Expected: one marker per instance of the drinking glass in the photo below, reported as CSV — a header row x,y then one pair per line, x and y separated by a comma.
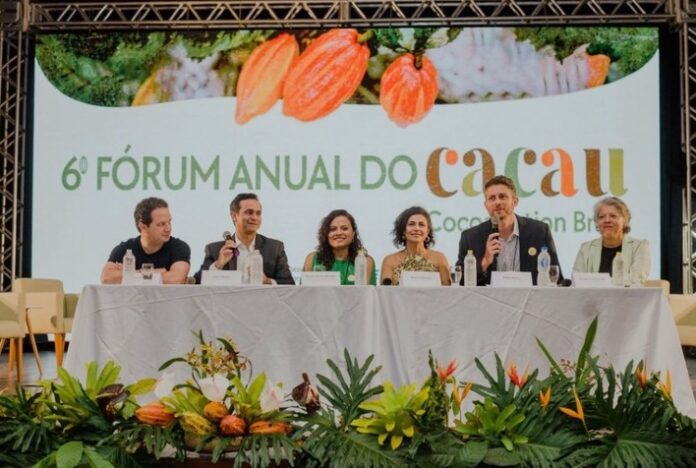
x,y
554,275
637,277
147,269
456,275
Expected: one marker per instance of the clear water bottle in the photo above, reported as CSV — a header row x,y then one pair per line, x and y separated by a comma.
x,y
255,267
360,269
128,266
543,267
469,269
617,270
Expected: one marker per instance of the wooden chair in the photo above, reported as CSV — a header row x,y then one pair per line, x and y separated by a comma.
x,y
13,327
48,310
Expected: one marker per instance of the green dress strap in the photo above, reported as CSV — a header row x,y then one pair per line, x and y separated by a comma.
x,y
346,268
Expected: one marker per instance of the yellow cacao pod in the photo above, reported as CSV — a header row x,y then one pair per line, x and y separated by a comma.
x,y
215,411
195,423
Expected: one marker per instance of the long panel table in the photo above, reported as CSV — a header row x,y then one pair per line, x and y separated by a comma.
x,y
286,330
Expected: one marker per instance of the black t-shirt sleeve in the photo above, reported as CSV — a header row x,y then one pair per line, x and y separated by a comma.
x,y
116,255
181,252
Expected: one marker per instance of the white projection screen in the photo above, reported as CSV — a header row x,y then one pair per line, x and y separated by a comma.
x,y
373,121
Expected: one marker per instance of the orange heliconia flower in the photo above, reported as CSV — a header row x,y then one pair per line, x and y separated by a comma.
x,y
545,397
261,81
444,373
326,75
515,378
459,397
408,89
642,374
578,413
666,388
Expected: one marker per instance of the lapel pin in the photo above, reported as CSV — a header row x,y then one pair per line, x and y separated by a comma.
x,y
532,251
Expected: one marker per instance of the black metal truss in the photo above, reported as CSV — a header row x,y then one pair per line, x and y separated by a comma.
x,y
12,138
321,13
20,19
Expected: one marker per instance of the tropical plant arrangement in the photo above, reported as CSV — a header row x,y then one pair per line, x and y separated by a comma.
x,y
581,414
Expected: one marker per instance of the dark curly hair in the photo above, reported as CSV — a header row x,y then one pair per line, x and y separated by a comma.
x,y
325,254
399,232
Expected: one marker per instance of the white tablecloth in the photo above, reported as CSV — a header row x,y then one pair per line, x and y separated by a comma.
x,y
286,330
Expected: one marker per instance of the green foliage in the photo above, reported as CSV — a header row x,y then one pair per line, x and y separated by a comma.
x,y
97,68
247,399
630,48
352,390
25,436
495,426
181,401
132,437
444,449
326,445
265,450
500,389
631,424
438,403
395,414
415,40
107,68
328,437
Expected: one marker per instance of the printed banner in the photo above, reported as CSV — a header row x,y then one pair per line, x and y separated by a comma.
x,y
373,121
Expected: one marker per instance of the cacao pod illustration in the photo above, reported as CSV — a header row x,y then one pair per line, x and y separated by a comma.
x,y
408,89
598,67
261,81
326,75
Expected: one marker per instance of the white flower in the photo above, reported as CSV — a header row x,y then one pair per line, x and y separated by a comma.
x,y
271,398
165,384
214,388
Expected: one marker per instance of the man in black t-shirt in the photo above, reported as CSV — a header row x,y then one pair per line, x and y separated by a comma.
x,y
155,244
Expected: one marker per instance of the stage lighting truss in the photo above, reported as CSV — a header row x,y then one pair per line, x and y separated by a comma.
x,y
359,13
19,20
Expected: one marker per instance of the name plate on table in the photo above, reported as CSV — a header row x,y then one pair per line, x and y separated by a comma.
x,y
592,280
511,279
321,278
221,278
420,278
138,280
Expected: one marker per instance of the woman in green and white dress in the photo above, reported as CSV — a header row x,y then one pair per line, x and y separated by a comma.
x,y
339,244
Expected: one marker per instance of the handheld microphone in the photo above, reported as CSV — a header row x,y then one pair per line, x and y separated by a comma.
x,y
228,236
495,221
495,228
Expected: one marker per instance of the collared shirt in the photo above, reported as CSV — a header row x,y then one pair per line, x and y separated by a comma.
x,y
509,257
244,252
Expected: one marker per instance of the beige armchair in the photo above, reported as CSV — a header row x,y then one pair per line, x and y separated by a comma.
x,y
684,312
48,309
12,327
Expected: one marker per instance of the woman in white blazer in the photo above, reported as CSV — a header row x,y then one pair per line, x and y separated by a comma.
x,y
613,221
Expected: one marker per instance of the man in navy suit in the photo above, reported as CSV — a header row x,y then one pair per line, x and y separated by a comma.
x,y
230,253
516,242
